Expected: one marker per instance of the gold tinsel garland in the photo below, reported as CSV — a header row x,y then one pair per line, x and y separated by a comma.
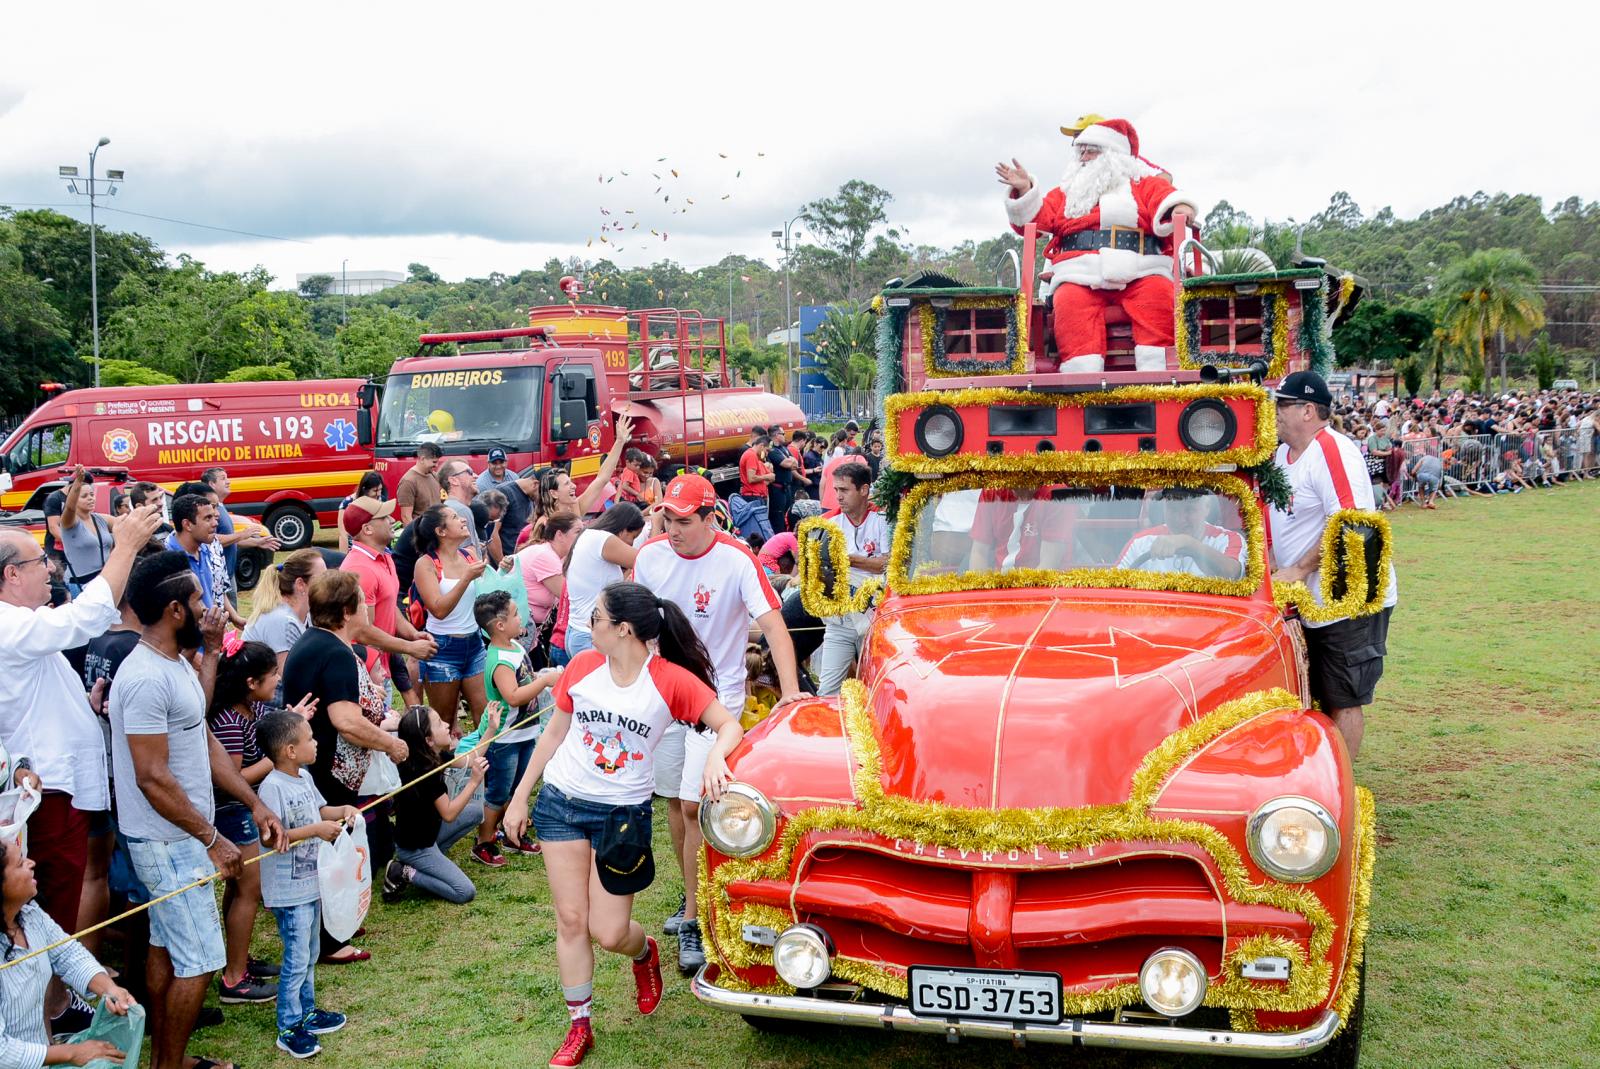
x,y
902,582
1354,603
812,595
1058,829
1279,291
906,456
928,324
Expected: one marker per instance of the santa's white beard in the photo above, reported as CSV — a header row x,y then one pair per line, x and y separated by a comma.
x,y
1085,183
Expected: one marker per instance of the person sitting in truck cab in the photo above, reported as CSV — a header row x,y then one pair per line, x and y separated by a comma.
x,y
1186,542
1010,531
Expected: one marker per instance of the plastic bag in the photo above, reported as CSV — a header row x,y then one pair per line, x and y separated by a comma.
x,y
511,581
344,874
124,1031
16,806
382,776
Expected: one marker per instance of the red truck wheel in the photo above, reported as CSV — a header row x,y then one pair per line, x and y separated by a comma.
x,y
292,525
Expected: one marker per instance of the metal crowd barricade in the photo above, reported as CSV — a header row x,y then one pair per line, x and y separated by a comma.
x,y
1486,463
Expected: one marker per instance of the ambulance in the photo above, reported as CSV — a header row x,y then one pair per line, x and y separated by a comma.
x,y
291,449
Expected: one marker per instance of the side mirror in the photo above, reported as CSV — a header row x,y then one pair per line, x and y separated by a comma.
x,y
572,421
1359,549
570,387
363,426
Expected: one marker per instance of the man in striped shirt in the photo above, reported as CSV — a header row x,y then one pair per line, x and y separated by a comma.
x,y
1186,542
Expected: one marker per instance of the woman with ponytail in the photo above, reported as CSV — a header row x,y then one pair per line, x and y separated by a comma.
x,y
281,607
592,819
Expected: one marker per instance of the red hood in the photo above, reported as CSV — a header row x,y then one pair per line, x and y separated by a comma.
x,y
1025,700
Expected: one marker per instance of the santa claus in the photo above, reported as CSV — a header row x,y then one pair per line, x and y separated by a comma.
x,y
1110,222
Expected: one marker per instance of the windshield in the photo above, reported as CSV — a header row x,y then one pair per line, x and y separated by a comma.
x,y
488,404
960,534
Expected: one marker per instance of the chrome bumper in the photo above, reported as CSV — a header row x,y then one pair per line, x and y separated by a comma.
x,y
1173,1039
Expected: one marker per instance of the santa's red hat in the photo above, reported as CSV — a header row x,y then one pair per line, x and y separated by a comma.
x,y
1112,135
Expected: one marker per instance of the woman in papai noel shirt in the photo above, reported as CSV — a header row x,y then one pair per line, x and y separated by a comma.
x,y
612,706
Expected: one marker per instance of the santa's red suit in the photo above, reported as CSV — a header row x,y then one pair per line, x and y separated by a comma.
x,y
1117,252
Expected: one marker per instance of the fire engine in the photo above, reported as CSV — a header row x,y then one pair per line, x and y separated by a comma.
x,y
1077,793
549,393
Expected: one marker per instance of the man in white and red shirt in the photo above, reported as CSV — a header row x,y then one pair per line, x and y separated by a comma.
x,y
717,582
866,541
1010,532
1186,542
370,525
1327,474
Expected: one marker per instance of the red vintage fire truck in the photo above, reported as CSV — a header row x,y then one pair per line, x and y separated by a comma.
x,y
549,393
1073,795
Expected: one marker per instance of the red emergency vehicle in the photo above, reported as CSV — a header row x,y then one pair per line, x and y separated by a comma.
x,y
291,448
548,393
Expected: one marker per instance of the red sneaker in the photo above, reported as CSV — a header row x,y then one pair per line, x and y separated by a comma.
x,y
647,977
573,1049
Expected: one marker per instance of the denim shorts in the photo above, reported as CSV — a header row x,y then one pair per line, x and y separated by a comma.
x,y
560,818
458,657
235,823
507,762
187,927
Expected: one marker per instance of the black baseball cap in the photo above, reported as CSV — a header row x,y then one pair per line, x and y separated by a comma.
x,y
1304,386
497,455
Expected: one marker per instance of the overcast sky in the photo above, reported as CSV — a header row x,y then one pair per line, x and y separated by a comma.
x,y
479,138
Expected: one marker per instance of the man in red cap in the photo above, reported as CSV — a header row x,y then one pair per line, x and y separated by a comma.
x,y
717,582
1110,222
370,525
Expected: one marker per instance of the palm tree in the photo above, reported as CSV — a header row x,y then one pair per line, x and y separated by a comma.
x,y
1492,293
846,348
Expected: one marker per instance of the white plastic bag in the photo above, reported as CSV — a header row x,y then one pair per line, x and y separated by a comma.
x,y
382,776
16,806
344,874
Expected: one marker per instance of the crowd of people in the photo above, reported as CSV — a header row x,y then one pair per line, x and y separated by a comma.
x,y
1450,445
487,654
490,656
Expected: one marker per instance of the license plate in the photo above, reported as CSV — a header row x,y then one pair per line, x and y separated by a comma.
x,y
991,994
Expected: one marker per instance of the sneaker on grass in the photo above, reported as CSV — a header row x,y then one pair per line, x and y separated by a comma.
x,y
299,1043
489,854
579,1042
248,989
395,881
691,952
672,922
262,969
527,847
647,978
323,1022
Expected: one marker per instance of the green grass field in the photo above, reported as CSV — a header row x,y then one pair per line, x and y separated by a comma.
x,y
1483,751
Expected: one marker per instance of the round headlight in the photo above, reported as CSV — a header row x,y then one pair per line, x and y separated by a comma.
x,y
1173,982
1207,425
741,823
802,956
1293,838
938,431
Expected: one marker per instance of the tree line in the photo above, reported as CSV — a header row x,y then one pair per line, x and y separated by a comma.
x,y
1480,280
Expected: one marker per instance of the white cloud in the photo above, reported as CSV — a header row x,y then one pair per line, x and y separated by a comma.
x,y
470,137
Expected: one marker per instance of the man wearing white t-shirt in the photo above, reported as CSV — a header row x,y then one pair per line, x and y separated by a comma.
x,y
716,581
1327,474
866,540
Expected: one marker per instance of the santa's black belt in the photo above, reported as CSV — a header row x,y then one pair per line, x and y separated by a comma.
x,y
1111,238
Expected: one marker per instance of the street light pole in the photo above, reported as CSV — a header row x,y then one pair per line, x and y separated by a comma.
x,y
344,291
112,177
791,357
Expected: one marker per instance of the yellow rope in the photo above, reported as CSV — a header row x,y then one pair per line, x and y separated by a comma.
x,y
248,861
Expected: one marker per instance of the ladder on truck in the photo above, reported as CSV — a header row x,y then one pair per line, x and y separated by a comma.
x,y
674,354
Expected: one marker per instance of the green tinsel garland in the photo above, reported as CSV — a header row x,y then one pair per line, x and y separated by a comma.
x,y
1273,482
891,332
889,489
